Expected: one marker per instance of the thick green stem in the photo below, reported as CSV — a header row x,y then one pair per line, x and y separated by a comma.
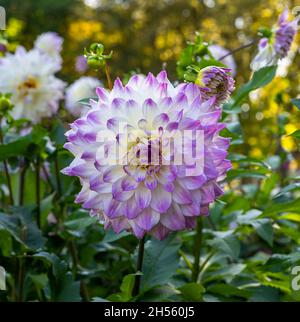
x,y
7,175
139,267
197,249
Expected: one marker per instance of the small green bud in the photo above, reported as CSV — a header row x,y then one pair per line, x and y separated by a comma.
x,y
202,50
95,57
96,48
5,104
265,32
95,63
191,74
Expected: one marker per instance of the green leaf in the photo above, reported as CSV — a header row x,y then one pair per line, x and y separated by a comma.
x,y
296,134
264,229
275,209
227,243
192,292
227,273
59,268
23,145
126,289
259,79
127,285
79,220
69,290
262,226
22,228
6,246
288,188
247,173
86,101
111,236
160,261
228,290
282,262
296,102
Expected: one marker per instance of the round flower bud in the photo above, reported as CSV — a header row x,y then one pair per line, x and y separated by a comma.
x,y
95,63
5,105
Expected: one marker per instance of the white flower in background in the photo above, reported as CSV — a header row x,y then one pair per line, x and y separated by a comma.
x,y
29,77
83,88
218,52
50,43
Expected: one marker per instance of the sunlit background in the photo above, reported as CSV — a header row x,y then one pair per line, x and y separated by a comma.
x,y
145,35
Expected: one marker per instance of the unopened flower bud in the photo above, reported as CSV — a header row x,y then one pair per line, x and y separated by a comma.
x,y
5,104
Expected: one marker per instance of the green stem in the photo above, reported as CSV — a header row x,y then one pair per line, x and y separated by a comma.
x,y
74,254
5,164
139,267
21,277
197,249
107,72
23,169
57,175
38,191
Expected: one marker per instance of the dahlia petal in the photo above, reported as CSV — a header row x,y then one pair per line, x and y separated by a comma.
x,y
160,232
147,219
113,173
192,183
118,193
111,207
102,94
150,182
131,210
142,196
173,219
181,195
128,183
161,200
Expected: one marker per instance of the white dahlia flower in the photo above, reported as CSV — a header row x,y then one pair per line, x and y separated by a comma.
x,y
50,44
29,77
83,88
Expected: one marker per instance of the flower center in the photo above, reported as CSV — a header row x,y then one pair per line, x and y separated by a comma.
x,y
27,86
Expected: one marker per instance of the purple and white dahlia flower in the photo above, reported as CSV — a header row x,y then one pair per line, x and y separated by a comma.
x,y
149,155
215,82
276,47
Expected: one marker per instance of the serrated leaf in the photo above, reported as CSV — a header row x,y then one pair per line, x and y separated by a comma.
x,y
192,292
160,261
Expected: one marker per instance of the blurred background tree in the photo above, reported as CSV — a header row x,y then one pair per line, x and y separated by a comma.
x,y
145,35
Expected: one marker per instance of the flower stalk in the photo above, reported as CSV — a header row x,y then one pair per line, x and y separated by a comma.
x,y
139,267
197,249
